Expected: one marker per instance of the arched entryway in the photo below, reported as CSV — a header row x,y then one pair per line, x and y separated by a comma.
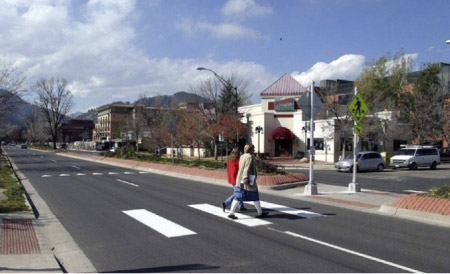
x,y
283,138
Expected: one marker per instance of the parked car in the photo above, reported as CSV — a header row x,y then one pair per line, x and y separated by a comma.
x,y
413,157
366,160
24,146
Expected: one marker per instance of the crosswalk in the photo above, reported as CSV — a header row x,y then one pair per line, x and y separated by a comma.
x,y
171,229
93,174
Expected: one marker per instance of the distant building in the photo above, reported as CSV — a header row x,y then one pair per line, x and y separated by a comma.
x,y
76,130
110,119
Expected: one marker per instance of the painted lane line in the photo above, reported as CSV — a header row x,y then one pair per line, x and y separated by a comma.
x,y
159,224
64,175
80,174
46,176
143,172
96,174
414,191
128,172
54,161
290,210
351,252
76,167
128,183
111,173
242,219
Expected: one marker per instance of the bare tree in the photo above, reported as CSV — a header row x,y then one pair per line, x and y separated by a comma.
x,y
11,82
55,101
220,95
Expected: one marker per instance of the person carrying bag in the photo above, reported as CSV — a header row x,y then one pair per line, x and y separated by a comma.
x,y
246,188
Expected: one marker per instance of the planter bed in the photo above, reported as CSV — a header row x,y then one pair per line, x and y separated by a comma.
x,y
424,203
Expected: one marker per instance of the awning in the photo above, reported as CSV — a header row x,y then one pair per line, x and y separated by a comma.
x,y
282,133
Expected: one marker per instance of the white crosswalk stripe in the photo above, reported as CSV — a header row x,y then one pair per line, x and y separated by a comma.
x,y
242,219
290,210
159,224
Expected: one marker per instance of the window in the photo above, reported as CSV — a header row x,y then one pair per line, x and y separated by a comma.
x,y
318,144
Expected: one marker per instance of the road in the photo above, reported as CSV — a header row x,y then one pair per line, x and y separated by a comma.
x,y
128,221
402,181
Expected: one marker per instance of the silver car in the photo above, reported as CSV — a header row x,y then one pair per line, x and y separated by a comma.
x,y
365,160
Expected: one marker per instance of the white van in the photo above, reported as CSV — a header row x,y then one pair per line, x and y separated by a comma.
x,y
416,156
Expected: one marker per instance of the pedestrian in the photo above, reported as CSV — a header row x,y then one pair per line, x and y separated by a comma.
x,y
246,188
232,170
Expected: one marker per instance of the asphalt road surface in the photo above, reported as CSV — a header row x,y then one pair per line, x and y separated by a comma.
x,y
403,181
129,221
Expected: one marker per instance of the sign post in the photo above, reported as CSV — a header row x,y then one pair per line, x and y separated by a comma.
x,y
172,129
358,109
311,187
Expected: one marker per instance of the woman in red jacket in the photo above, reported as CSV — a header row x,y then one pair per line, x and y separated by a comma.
x,y
232,170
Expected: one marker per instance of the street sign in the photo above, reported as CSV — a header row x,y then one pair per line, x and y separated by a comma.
x,y
305,105
357,129
172,126
357,108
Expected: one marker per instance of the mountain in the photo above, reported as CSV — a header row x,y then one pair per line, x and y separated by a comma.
x,y
23,109
171,101
90,115
18,110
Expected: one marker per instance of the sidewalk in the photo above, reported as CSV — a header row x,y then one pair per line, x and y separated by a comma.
x,y
30,244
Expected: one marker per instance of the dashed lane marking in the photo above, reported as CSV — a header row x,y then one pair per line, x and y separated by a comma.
x,y
64,175
128,183
414,191
96,174
76,167
159,224
81,174
242,219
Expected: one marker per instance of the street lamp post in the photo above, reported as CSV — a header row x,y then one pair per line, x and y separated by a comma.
x,y
259,130
226,84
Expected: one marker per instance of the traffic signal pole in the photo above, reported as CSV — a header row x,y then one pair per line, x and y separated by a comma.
x,y
311,187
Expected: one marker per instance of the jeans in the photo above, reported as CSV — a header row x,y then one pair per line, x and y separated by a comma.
x,y
230,199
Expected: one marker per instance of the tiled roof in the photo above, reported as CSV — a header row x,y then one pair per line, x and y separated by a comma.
x,y
284,86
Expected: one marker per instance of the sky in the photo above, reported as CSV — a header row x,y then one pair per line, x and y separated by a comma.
x,y
119,50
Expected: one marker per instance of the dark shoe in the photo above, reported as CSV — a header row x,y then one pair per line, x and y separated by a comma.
x,y
242,209
263,215
224,206
232,216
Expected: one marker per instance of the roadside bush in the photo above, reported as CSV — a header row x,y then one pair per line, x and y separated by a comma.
x,y
267,168
128,152
440,192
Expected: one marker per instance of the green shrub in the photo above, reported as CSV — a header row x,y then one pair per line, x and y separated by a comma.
x,y
440,192
267,168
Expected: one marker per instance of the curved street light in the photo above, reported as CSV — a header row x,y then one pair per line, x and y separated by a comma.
x,y
225,83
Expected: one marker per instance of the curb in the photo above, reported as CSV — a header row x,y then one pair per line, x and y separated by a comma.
x,y
414,215
51,233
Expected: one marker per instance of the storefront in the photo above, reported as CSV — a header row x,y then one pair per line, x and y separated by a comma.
x,y
282,130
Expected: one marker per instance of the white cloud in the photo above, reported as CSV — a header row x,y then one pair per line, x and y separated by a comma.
x,y
229,30
346,67
245,8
